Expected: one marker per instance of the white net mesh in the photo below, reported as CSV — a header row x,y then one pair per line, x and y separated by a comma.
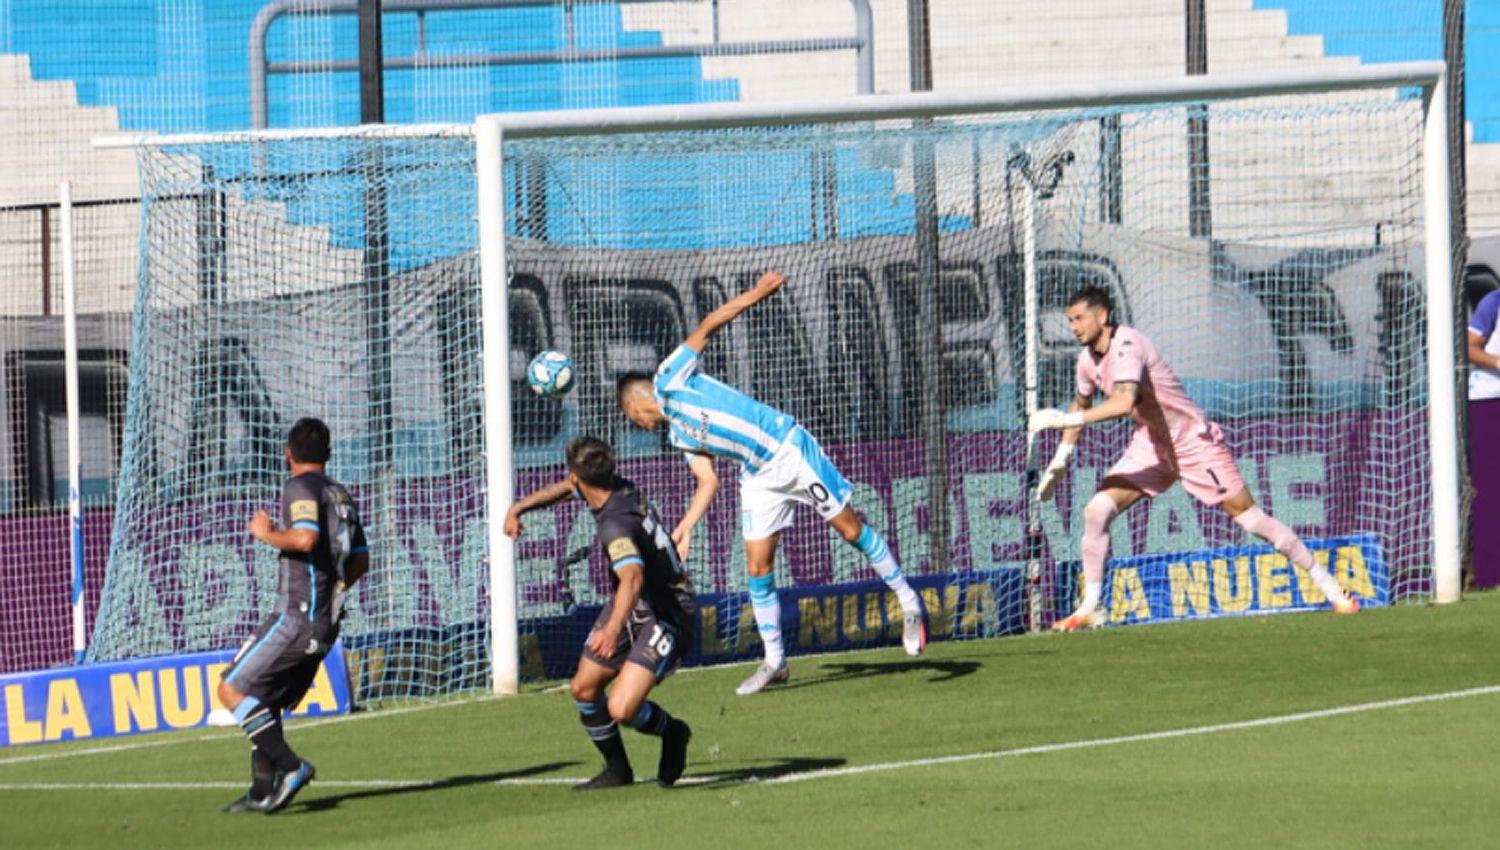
x,y
1297,325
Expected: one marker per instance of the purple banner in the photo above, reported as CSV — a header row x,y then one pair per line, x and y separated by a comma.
x,y
192,577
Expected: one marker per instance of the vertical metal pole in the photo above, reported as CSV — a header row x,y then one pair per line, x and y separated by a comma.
x,y
371,67
864,56
1453,57
494,304
46,236
1111,170
929,298
1200,204
70,380
1442,395
377,264
1035,598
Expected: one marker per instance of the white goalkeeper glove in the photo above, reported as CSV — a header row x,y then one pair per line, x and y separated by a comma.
x,y
1051,417
1054,472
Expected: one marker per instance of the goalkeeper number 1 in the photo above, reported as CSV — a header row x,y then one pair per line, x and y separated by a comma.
x,y
1173,441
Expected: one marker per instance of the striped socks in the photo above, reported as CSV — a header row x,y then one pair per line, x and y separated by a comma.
x,y
767,609
878,553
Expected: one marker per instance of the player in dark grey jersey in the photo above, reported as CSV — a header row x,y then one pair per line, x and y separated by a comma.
x,y
646,628
323,553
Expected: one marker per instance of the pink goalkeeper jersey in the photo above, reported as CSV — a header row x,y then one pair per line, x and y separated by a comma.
x,y
1163,410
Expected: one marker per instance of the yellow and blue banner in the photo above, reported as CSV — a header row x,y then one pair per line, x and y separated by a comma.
x,y
1240,580
141,695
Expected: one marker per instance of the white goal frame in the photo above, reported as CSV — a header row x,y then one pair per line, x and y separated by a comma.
x,y
490,133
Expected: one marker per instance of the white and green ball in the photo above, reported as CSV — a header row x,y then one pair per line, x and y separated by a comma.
x,y
550,374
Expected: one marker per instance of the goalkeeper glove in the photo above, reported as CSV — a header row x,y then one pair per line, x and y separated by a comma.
x,y
1051,417
1054,472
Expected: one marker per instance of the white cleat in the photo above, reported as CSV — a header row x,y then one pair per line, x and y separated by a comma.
x,y
913,633
1079,620
764,676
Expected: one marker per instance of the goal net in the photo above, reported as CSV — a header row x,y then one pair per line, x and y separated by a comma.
x,y
1271,248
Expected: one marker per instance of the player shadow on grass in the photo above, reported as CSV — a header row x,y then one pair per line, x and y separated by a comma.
x,y
319,804
944,670
760,773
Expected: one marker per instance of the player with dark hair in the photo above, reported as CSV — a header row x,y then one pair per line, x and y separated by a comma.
x,y
1173,441
323,553
642,633
781,465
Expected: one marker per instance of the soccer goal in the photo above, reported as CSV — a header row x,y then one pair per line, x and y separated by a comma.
x,y
1283,238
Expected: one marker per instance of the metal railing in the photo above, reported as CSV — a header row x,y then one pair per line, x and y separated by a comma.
x,y
862,43
44,211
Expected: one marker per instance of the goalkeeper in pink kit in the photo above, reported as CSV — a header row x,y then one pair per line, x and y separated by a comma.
x,y
1173,441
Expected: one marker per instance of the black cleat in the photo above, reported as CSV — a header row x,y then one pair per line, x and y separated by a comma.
x,y
607,778
288,786
247,803
674,744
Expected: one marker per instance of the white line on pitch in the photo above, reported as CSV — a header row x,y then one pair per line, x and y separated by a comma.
x,y
1261,722
228,734
298,725
1278,720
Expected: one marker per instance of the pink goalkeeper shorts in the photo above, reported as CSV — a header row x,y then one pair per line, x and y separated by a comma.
x,y
1203,464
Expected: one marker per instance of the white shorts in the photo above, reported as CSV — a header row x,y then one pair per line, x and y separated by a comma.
x,y
798,472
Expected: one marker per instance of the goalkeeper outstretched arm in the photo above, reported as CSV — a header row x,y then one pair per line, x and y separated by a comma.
x,y
1082,412
1052,475
1121,402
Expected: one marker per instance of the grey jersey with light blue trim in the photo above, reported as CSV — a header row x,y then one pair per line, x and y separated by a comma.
x,y
630,532
315,502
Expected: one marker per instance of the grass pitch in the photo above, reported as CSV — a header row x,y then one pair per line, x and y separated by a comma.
x,y
1284,731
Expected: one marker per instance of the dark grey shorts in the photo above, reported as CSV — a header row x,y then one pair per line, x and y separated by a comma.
x,y
278,663
646,642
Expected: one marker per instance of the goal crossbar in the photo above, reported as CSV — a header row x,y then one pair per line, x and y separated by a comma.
x,y
707,116
490,132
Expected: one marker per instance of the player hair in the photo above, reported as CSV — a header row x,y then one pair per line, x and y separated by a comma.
x,y
591,459
626,383
1096,297
309,441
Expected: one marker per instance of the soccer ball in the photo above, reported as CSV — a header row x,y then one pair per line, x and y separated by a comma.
x,y
550,374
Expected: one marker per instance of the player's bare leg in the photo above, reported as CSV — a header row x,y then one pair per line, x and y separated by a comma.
x,y
593,710
628,705
1113,498
854,530
1247,515
760,555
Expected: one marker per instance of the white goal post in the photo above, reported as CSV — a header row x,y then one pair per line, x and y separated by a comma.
x,y
494,135
491,132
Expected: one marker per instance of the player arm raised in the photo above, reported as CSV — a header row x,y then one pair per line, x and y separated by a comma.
x,y
726,313
549,495
703,495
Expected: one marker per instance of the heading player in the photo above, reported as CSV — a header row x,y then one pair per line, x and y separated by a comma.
x,y
781,464
1173,441
643,632
323,553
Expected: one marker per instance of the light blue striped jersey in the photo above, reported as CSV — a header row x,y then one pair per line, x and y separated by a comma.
x,y
706,416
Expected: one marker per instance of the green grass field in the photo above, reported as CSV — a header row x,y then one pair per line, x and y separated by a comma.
x,y
1037,715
